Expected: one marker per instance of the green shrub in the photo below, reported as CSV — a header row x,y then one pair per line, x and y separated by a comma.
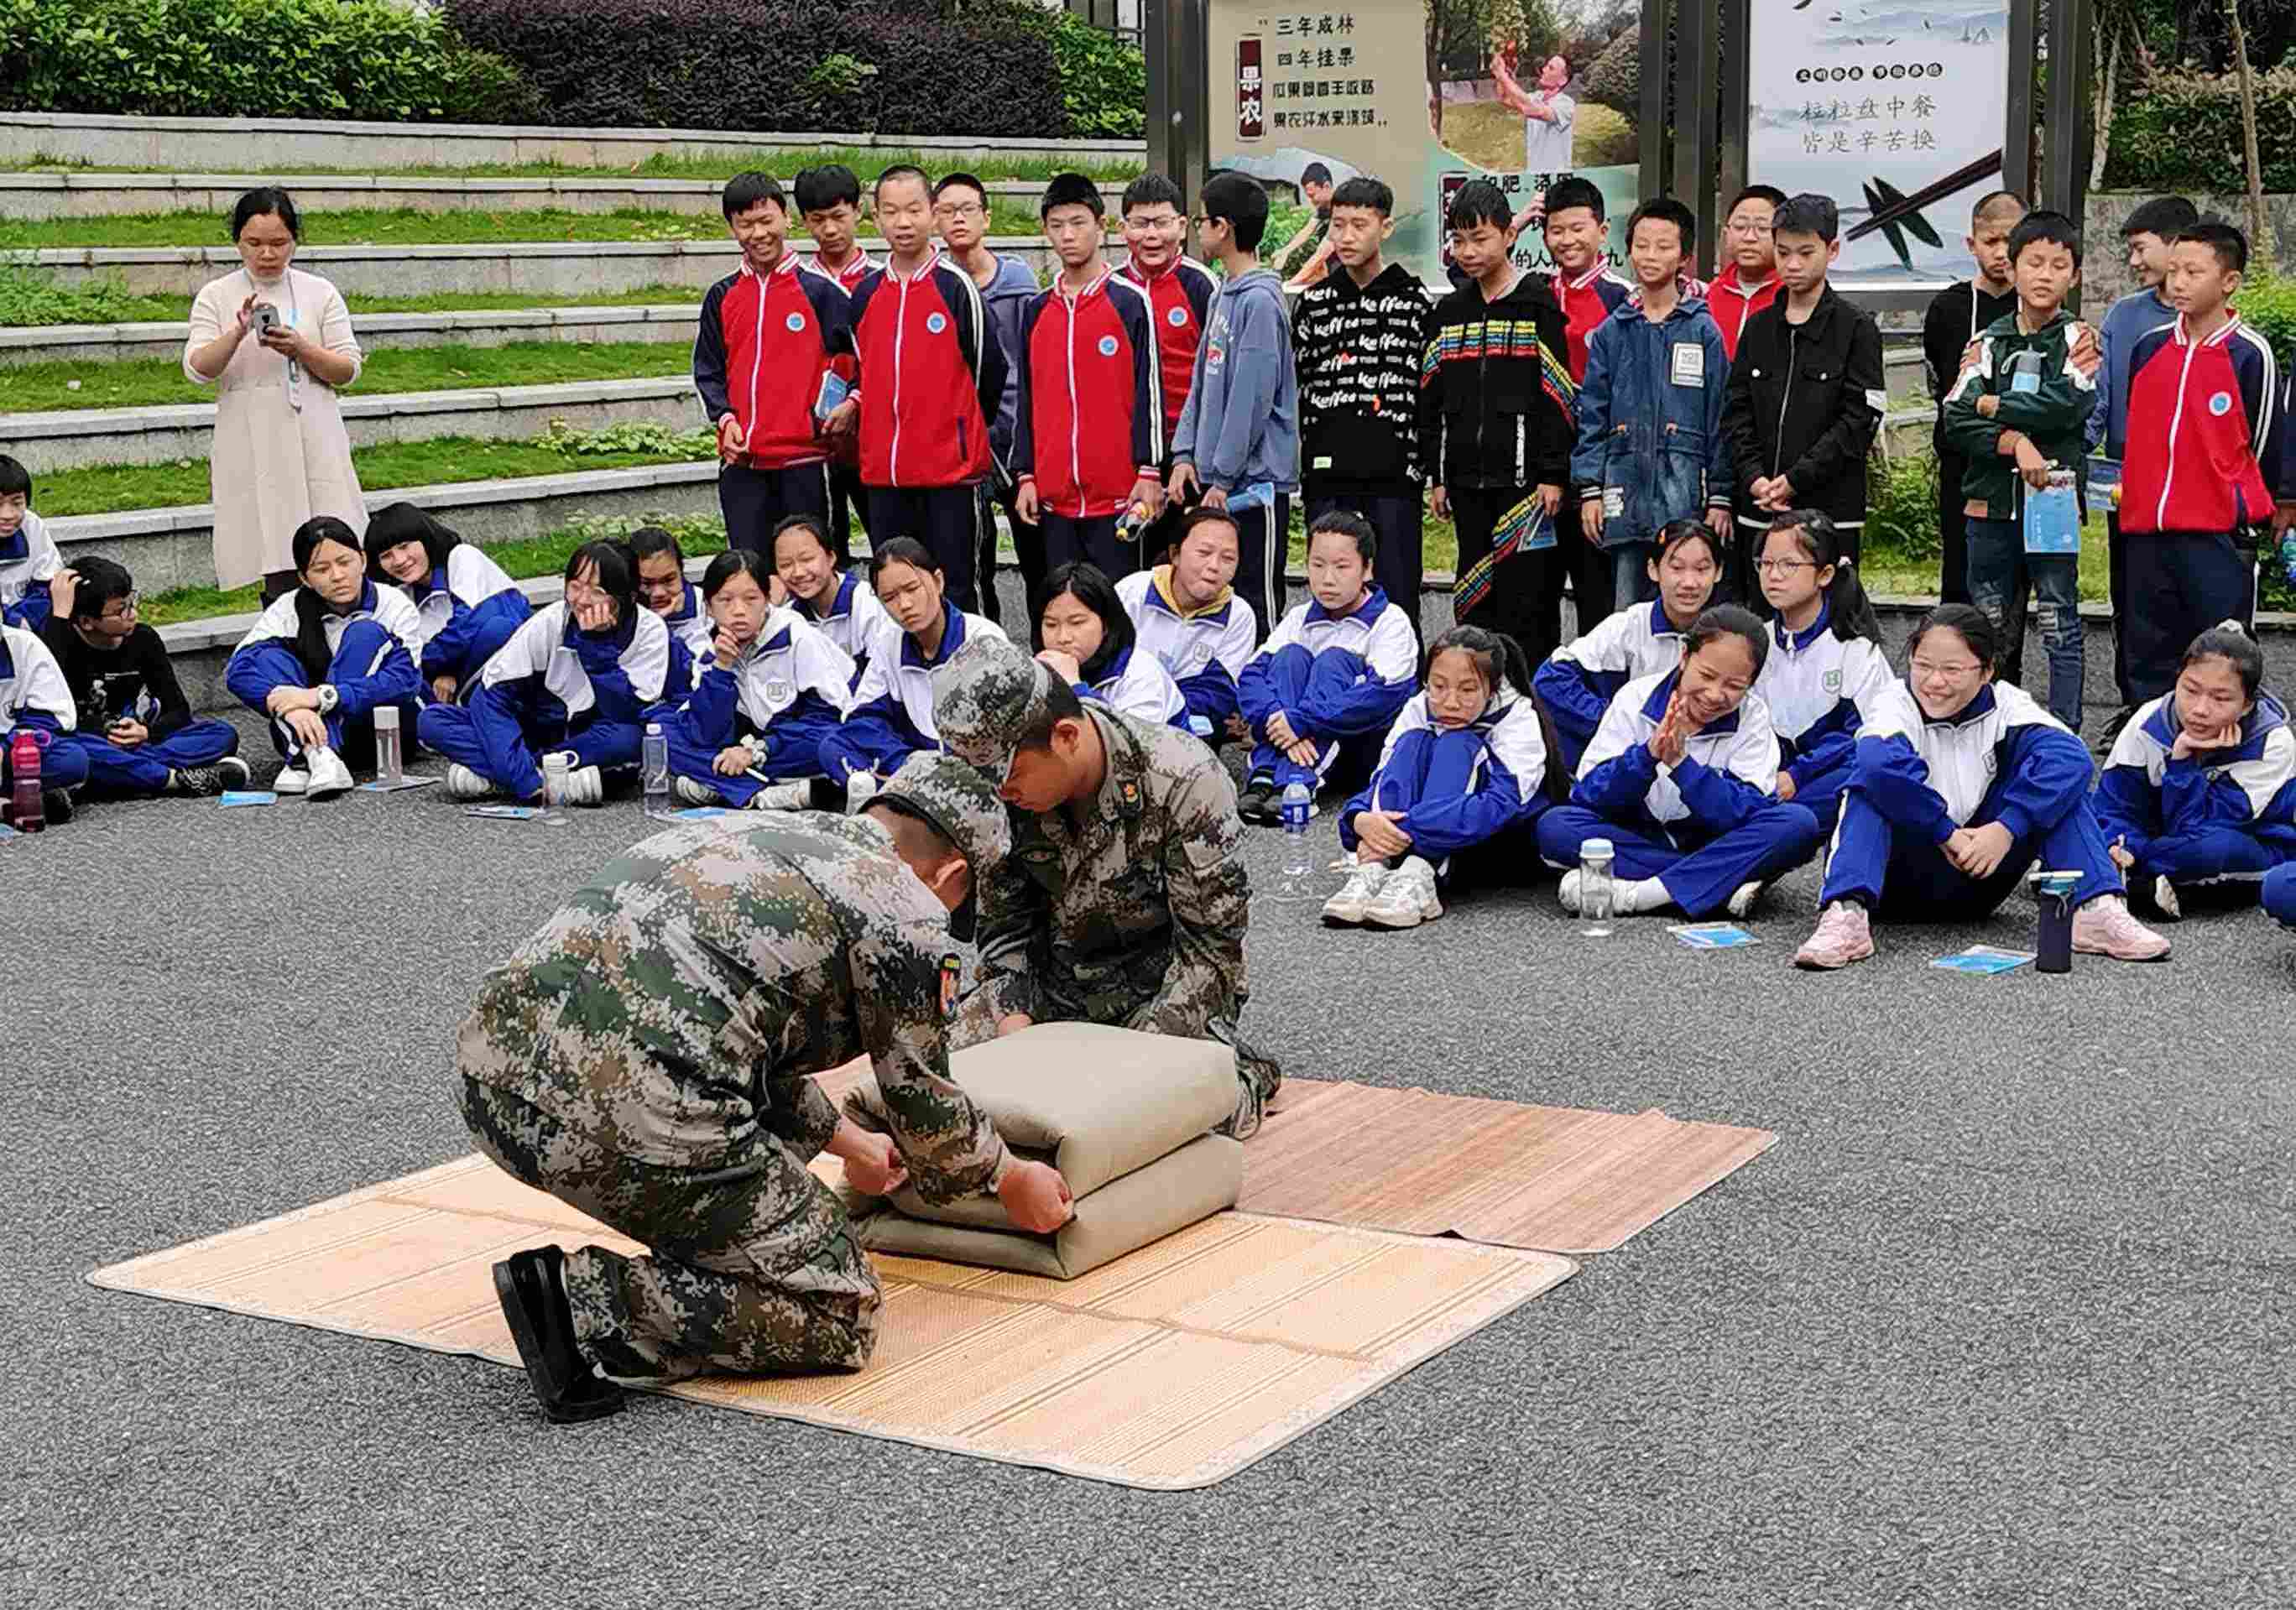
x,y
1901,507
1601,137
2184,134
1103,81
1616,79
2270,306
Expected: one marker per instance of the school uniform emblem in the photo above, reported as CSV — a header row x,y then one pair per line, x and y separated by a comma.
x,y
2220,404
796,322
1834,682
1176,317
936,322
1108,346
779,692
952,973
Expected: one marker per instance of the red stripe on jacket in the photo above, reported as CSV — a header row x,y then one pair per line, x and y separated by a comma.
x,y
922,339
2194,426
1091,414
1179,300
780,333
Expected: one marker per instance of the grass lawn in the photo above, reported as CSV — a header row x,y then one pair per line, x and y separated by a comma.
x,y
1489,135
148,382
718,166
109,305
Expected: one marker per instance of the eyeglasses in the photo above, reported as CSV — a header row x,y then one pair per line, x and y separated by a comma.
x,y
1927,669
127,608
1782,566
1751,231
960,209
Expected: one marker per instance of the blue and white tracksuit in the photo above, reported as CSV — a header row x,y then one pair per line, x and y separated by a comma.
x,y
789,692
2223,816
1702,826
35,696
2003,759
372,649
1137,684
892,715
1338,680
556,688
852,621
1577,681
1205,649
1818,689
468,609
29,562
690,644
1458,788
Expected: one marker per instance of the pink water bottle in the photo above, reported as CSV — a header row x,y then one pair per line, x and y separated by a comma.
x,y
30,816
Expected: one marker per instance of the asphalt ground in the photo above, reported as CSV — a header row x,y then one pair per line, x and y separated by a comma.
x,y
2007,1316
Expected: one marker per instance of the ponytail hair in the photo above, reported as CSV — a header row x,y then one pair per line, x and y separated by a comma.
x,y
1729,620
1851,612
2229,640
1498,658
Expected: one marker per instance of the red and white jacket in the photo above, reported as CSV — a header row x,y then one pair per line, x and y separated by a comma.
x,y
762,348
1732,302
1090,421
1180,299
2204,432
1585,302
931,374
857,268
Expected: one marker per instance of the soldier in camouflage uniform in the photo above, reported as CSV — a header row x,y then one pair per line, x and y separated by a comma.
x,y
645,1059
1125,899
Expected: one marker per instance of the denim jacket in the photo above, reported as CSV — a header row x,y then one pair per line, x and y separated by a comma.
x,y
1650,420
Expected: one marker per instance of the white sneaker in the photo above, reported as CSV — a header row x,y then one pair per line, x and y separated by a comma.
x,y
693,791
1742,902
463,783
1346,908
783,796
293,780
2164,898
584,786
1568,891
328,776
860,788
1407,898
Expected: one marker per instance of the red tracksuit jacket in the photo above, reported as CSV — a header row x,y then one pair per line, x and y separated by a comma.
x,y
761,352
1732,303
1585,302
2203,451
1090,420
1180,299
931,375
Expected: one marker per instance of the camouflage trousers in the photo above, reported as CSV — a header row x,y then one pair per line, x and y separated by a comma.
x,y
754,1267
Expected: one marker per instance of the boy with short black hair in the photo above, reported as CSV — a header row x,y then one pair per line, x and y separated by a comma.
x,y
1748,281
2015,414
774,344
1957,317
1238,439
1180,291
28,557
829,201
1089,433
1807,394
1360,335
1007,286
2203,468
1495,427
1577,227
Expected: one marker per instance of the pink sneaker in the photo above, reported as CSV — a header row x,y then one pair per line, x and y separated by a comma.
x,y
1844,936
2103,928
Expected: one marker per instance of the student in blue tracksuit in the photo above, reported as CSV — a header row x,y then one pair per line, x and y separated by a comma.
x,y
1682,778
1577,683
466,605
1826,668
892,715
35,698
772,688
1332,676
1463,772
1088,641
322,659
1959,785
576,680
29,561
2199,793
837,602
662,588
1187,615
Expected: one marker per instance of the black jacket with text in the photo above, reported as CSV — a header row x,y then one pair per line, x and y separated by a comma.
x,y
1358,349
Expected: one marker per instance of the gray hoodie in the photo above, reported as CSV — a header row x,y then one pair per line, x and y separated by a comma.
x,y
1241,426
1006,299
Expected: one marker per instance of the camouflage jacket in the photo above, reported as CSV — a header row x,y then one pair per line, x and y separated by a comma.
x,y
677,1004
1137,918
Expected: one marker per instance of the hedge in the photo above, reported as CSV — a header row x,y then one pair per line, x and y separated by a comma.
x,y
770,64
355,58
2184,134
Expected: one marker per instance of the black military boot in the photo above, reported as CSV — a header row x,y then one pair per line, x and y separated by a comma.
x,y
531,1287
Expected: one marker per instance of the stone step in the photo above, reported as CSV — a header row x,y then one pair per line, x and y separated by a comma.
x,y
541,269
218,144
155,435
104,195
170,548
671,323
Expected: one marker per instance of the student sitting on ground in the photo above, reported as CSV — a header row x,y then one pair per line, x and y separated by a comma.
x,y
771,690
1084,635
836,602
1577,683
892,713
2280,895
1332,675
136,726
1188,617
1682,778
1464,768
29,559
1960,784
2199,793
466,605
35,697
1825,668
662,588
576,680
324,658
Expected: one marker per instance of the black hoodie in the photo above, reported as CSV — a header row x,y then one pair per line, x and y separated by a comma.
x,y
1496,396
1358,349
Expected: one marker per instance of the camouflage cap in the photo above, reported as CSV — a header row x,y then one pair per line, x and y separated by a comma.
x,y
986,696
960,804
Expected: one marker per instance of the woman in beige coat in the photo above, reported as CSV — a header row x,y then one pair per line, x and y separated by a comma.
x,y
281,454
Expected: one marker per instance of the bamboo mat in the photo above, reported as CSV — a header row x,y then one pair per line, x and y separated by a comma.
x,y
1173,1367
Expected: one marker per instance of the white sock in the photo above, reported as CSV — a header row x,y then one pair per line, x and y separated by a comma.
x,y
1636,896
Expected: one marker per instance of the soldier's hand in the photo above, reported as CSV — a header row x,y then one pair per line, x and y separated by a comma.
x,y
1036,1197
1013,1023
874,1169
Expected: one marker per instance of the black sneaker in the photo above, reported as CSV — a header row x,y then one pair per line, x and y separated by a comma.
x,y
56,804
205,782
2111,735
1258,802
531,1287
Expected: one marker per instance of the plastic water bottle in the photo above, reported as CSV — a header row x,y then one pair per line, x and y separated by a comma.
x,y
2053,941
389,761
557,772
1596,889
653,767
26,813
1299,868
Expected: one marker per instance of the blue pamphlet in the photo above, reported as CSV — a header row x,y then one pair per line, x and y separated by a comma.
x,y
247,797
2105,480
2053,517
693,814
503,813
1984,959
7,832
380,787
831,397
1713,935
